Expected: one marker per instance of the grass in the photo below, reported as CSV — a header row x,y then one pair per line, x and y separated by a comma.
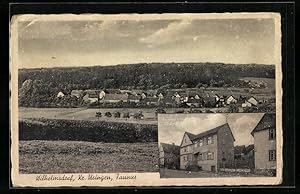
x,y
43,157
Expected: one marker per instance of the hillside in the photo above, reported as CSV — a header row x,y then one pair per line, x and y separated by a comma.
x,y
145,76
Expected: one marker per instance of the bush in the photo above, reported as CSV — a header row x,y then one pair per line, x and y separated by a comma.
x,y
138,115
126,115
117,114
108,114
93,131
233,108
98,114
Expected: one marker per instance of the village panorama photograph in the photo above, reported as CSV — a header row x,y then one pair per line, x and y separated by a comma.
x,y
217,145
90,89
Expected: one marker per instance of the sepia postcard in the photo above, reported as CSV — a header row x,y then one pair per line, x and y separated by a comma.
x,y
146,99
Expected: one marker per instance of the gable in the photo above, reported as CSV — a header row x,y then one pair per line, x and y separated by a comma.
x,y
185,140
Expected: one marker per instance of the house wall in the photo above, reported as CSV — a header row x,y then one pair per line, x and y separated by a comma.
x,y
186,150
213,148
262,145
225,148
161,155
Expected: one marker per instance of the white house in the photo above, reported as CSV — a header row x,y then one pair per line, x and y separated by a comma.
x,y
101,95
60,95
230,100
253,101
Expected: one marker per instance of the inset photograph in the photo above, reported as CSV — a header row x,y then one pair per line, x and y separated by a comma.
x,y
217,145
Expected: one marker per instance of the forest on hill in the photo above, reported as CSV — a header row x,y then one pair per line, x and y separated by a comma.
x,y
145,76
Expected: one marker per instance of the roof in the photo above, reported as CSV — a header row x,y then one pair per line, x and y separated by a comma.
x,y
134,97
190,135
251,97
266,122
113,91
212,131
151,99
195,100
229,97
239,149
116,97
91,91
170,148
249,148
93,95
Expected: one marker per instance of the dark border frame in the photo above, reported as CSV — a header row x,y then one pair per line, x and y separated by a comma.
x,y
287,10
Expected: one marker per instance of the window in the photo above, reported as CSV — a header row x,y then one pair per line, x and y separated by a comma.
x,y
210,140
271,134
210,155
272,155
185,150
201,142
204,140
204,156
200,157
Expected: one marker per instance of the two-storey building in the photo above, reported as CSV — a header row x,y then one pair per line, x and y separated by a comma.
x,y
209,150
265,144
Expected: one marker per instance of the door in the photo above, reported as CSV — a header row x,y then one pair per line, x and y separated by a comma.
x,y
213,168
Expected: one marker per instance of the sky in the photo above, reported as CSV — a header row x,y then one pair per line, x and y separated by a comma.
x,y
111,42
171,127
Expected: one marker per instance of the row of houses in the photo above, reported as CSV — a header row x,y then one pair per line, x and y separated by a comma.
x,y
214,149
152,97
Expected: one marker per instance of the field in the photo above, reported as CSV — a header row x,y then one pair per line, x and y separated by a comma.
x,y
73,140
88,114
86,157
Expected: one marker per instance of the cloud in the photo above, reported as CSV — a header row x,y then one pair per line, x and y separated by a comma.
x,y
44,30
173,32
242,125
196,124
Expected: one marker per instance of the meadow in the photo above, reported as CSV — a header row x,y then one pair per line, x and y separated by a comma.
x,y
45,157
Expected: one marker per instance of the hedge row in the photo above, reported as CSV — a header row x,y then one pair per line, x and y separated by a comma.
x,y
93,131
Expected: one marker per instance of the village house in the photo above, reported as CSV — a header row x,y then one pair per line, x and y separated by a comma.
x,y
115,98
177,98
151,100
143,95
169,155
101,94
220,101
60,94
231,100
209,150
251,101
160,97
197,103
134,98
90,98
77,93
112,91
264,135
